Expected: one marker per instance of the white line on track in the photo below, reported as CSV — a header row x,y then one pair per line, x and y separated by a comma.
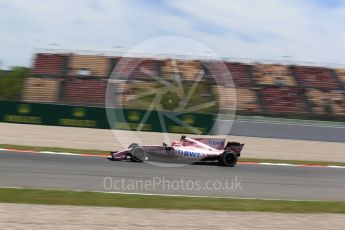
x,y
279,164
243,163
55,153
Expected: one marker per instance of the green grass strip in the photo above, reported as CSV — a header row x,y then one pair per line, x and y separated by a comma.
x,y
58,197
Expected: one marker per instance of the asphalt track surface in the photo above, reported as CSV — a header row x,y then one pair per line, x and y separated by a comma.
x,y
288,130
32,170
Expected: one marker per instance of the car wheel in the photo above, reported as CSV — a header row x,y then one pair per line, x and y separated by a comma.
x,y
228,158
138,154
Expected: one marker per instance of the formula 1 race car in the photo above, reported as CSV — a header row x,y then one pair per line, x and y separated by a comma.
x,y
186,150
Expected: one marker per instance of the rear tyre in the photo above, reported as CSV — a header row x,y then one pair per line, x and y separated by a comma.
x,y
228,158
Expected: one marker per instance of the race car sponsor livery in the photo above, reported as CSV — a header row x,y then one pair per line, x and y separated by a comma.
x,y
185,150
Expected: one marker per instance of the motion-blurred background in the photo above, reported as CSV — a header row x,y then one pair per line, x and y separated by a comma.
x,y
273,89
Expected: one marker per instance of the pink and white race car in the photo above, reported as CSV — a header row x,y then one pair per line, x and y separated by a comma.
x,y
186,150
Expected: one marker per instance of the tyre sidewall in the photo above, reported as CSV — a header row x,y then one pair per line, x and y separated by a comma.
x,y
140,151
225,159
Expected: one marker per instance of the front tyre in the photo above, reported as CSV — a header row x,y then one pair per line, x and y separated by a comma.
x,y
228,158
138,154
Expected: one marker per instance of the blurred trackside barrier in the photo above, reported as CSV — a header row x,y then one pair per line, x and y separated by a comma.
x,y
95,117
